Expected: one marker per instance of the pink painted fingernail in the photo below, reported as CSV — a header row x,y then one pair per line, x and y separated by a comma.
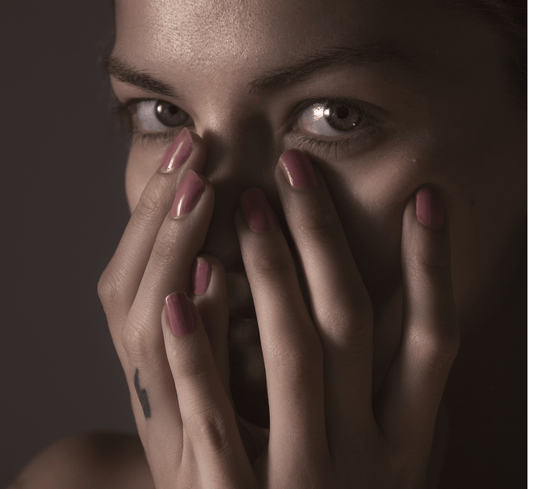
x,y
178,152
298,169
179,315
257,211
429,208
201,276
188,194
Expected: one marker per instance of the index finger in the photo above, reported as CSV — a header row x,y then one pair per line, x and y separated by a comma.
x,y
120,280
340,303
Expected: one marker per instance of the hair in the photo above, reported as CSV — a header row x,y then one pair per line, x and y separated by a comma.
x,y
509,17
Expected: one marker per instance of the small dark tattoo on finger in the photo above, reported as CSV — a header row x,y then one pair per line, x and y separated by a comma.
x,y
143,396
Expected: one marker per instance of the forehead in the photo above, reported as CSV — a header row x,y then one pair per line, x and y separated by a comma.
x,y
252,35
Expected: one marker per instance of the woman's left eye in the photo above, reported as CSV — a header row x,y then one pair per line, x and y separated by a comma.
x,y
331,119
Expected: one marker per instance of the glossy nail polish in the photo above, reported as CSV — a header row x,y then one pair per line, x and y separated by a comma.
x,y
188,194
257,211
179,315
178,152
429,208
201,276
298,169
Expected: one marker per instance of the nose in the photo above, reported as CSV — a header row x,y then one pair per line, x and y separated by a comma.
x,y
241,153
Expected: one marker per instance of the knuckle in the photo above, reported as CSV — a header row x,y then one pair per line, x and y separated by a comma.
x,y
150,206
165,248
430,261
443,353
191,369
109,290
138,344
319,226
207,426
299,360
351,329
439,348
272,264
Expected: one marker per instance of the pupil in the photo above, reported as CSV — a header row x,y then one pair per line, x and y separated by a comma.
x,y
169,114
343,112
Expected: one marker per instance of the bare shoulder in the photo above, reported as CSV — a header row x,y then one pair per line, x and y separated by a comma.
x,y
87,461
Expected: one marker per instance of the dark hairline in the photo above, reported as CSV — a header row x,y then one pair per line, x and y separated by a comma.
x,y
509,18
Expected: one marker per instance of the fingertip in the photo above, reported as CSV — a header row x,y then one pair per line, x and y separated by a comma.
x,y
426,249
212,309
257,211
180,314
198,146
209,292
297,169
201,275
429,208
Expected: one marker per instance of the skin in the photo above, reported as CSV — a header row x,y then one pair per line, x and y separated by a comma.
x,y
443,126
446,120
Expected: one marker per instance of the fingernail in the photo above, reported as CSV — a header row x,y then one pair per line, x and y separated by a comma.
x,y
179,315
298,169
257,211
429,208
201,276
178,152
188,194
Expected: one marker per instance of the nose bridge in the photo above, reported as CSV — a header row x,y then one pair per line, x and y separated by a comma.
x,y
241,153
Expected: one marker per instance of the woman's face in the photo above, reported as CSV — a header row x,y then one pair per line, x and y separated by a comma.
x,y
384,95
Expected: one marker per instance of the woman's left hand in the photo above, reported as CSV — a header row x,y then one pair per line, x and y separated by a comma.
x,y
326,429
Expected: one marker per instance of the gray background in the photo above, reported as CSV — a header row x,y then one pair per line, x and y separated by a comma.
x,y
62,212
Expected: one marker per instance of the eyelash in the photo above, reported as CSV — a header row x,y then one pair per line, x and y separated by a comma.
x,y
324,146
126,112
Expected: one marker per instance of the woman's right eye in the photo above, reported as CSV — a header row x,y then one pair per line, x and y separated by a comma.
x,y
159,115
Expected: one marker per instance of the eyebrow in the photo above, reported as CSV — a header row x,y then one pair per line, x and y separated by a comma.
x,y
314,64
123,71
277,79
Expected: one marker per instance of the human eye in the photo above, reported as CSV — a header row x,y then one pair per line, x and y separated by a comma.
x,y
330,119
151,119
323,124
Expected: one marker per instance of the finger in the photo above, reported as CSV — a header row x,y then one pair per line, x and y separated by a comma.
x,y
120,281
157,416
339,301
209,297
211,437
291,348
179,239
430,338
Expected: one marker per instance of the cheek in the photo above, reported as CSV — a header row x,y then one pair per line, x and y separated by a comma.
x,y
370,195
142,164
479,173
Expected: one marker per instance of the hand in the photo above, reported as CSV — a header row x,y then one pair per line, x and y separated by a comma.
x,y
325,431
154,258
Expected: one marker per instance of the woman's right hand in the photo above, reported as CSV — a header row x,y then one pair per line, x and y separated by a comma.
x,y
153,259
